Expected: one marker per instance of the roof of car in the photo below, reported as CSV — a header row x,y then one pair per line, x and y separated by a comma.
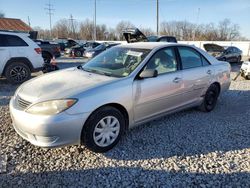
x,y
14,33
148,45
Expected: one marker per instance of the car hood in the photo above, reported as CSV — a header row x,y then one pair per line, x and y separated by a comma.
x,y
61,84
134,35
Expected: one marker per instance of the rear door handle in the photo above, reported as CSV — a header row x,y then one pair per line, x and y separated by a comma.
x,y
177,80
209,72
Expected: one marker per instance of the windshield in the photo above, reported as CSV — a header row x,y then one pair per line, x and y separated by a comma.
x,y
117,61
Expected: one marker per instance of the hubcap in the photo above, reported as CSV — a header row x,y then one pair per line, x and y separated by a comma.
x,y
18,73
106,131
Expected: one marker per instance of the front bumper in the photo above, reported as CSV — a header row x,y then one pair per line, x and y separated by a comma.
x,y
48,131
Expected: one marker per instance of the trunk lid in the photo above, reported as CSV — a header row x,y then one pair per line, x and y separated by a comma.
x,y
134,35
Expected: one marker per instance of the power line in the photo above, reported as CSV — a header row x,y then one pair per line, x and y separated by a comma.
x,y
49,8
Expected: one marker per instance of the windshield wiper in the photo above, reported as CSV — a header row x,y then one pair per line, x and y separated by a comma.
x,y
97,72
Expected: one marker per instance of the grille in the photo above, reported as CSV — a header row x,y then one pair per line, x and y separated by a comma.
x,y
23,104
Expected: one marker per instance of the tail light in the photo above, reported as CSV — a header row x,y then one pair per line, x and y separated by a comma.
x,y
58,49
38,50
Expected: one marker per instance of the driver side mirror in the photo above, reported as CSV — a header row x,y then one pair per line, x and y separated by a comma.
x,y
149,73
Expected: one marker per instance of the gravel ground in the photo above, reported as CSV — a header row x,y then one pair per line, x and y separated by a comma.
x,y
185,149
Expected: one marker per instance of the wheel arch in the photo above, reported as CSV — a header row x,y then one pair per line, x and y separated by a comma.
x,y
119,107
218,85
18,59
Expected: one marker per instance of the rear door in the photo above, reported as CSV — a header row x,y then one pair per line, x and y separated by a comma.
x,y
197,74
156,95
19,48
4,52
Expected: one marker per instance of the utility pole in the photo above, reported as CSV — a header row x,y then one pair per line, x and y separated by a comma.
x,y
72,25
28,20
49,8
197,22
157,17
94,37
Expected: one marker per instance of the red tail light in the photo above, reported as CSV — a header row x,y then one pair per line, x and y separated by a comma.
x,y
38,50
58,49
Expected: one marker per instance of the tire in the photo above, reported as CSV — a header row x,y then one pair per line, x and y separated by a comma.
x,y
78,53
46,57
210,99
247,77
17,72
97,125
239,59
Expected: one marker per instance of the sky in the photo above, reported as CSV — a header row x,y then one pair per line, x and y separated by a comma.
x,y
141,13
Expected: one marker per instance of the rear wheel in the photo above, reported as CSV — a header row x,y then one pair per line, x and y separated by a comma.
x,y
210,99
103,129
46,57
78,53
17,72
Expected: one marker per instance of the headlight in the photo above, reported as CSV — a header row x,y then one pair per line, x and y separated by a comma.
x,y
51,107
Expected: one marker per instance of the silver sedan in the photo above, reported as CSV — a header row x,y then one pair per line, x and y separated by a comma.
x,y
95,103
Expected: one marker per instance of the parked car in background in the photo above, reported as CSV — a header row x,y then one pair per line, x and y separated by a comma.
x,y
78,50
245,69
135,35
224,53
66,43
125,86
90,53
49,49
19,56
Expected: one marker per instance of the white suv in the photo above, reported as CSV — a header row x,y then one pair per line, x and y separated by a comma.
x,y
19,56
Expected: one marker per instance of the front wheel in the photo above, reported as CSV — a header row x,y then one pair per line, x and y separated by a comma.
x,y
210,99
103,129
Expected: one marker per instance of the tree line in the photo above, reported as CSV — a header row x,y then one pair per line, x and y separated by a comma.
x,y
224,30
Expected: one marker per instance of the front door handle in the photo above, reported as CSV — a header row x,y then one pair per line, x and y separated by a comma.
x,y
209,72
177,80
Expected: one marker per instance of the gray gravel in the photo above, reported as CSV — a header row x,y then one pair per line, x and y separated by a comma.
x,y
185,149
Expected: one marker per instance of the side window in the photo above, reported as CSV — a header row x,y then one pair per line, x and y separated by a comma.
x,y
2,40
163,61
205,62
189,58
163,39
15,41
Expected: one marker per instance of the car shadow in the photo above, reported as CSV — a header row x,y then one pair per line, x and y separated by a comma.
x,y
191,132
123,177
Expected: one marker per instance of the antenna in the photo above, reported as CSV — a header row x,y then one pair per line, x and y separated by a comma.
x,y
49,8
